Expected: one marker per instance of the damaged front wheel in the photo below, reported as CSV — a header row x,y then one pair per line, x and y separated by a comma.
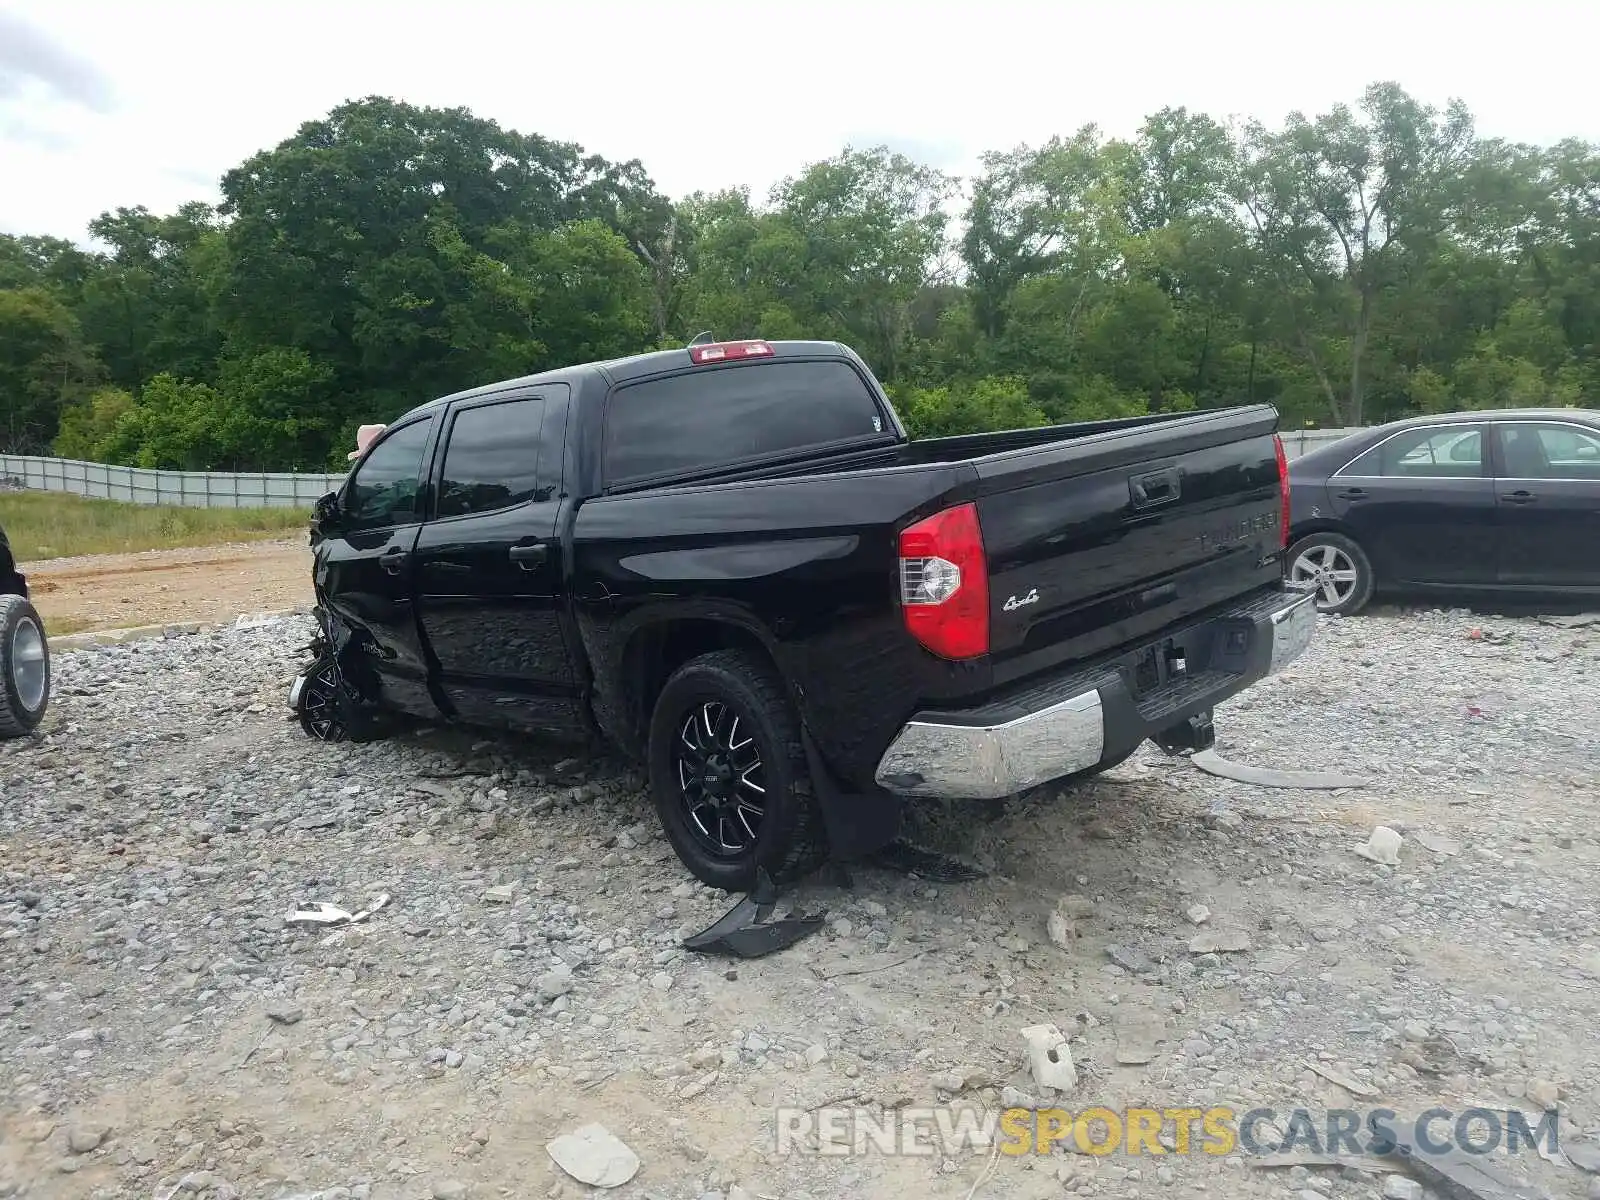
x,y
315,699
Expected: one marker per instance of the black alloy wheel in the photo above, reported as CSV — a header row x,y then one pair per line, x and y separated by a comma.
x,y
721,779
728,773
320,715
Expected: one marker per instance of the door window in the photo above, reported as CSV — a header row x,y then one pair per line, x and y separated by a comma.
x,y
492,458
1539,450
385,487
1453,452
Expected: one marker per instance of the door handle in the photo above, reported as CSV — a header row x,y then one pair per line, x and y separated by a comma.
x,y
1520,496
393,560
529,557
1353,494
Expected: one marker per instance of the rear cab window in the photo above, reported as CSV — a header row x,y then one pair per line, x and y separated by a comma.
x,y
712,417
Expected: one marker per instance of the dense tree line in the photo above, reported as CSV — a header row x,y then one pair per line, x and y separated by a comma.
x,y
1350,267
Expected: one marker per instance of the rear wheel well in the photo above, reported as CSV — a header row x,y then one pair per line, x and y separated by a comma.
x,y
1300,529
653,654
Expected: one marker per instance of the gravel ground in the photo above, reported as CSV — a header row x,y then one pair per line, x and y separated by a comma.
x,y
164,1033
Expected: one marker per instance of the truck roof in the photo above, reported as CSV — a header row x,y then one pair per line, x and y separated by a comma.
x,y
621,370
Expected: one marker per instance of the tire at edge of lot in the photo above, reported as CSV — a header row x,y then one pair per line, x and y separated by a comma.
x,y
16,720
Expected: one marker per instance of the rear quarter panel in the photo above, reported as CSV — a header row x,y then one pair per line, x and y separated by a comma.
x,y
808,566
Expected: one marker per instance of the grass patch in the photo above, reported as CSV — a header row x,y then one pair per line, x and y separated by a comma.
x,y
61,626
59,525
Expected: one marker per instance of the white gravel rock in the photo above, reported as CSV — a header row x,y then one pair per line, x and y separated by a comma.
x,y
169,814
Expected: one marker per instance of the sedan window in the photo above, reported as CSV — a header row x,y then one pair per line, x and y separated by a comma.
x,y
1454,452
1540,450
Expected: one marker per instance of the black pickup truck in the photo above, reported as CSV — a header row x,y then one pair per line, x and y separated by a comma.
x,y
731,562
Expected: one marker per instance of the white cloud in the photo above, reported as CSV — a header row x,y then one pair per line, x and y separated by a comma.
x,y
31,63
105,103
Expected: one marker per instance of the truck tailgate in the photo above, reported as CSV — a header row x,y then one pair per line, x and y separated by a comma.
x,y
1097,541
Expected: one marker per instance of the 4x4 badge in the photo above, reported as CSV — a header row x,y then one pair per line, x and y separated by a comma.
x,y
1013,603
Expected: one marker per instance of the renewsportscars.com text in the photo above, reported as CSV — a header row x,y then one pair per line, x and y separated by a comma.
x,y
843,1131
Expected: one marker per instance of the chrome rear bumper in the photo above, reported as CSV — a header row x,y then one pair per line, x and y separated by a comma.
x,y
1073,723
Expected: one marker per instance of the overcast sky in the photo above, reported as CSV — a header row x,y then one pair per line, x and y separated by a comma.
x,y
108,102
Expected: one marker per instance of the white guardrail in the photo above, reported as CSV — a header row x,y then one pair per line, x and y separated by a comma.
x,y
192,489
268,489
1302,441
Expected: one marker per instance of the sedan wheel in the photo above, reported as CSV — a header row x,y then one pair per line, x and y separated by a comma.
x,y
1335,568
1329,570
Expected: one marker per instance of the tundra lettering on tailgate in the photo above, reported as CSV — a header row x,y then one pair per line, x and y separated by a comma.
x,y
1237,531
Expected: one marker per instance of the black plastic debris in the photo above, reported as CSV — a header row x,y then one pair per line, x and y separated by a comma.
x,y
744,930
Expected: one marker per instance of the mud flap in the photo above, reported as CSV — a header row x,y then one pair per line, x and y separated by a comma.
x,y
744,931
858,824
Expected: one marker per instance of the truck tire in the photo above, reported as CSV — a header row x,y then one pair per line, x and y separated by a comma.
x,y
25,665
329,710
1337,567
728,774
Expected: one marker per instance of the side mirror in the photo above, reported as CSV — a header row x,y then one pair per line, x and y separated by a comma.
x,y
326,512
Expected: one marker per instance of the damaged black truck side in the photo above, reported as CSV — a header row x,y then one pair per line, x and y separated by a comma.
x,y
732,563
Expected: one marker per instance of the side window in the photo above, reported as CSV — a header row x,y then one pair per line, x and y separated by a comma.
x,y
385,487
492,458
1532,450
713,416
1449,453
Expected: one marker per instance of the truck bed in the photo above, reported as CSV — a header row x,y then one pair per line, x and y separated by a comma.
x,y
1096,535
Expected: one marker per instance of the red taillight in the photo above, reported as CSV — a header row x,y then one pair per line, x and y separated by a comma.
x,y
1283,491
728,352
944,583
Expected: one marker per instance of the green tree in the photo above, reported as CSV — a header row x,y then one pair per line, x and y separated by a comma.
x,y
48,262
1037,212
993,402
150,308
175,425
87,425
384,240
44,367
1341,207
869,229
